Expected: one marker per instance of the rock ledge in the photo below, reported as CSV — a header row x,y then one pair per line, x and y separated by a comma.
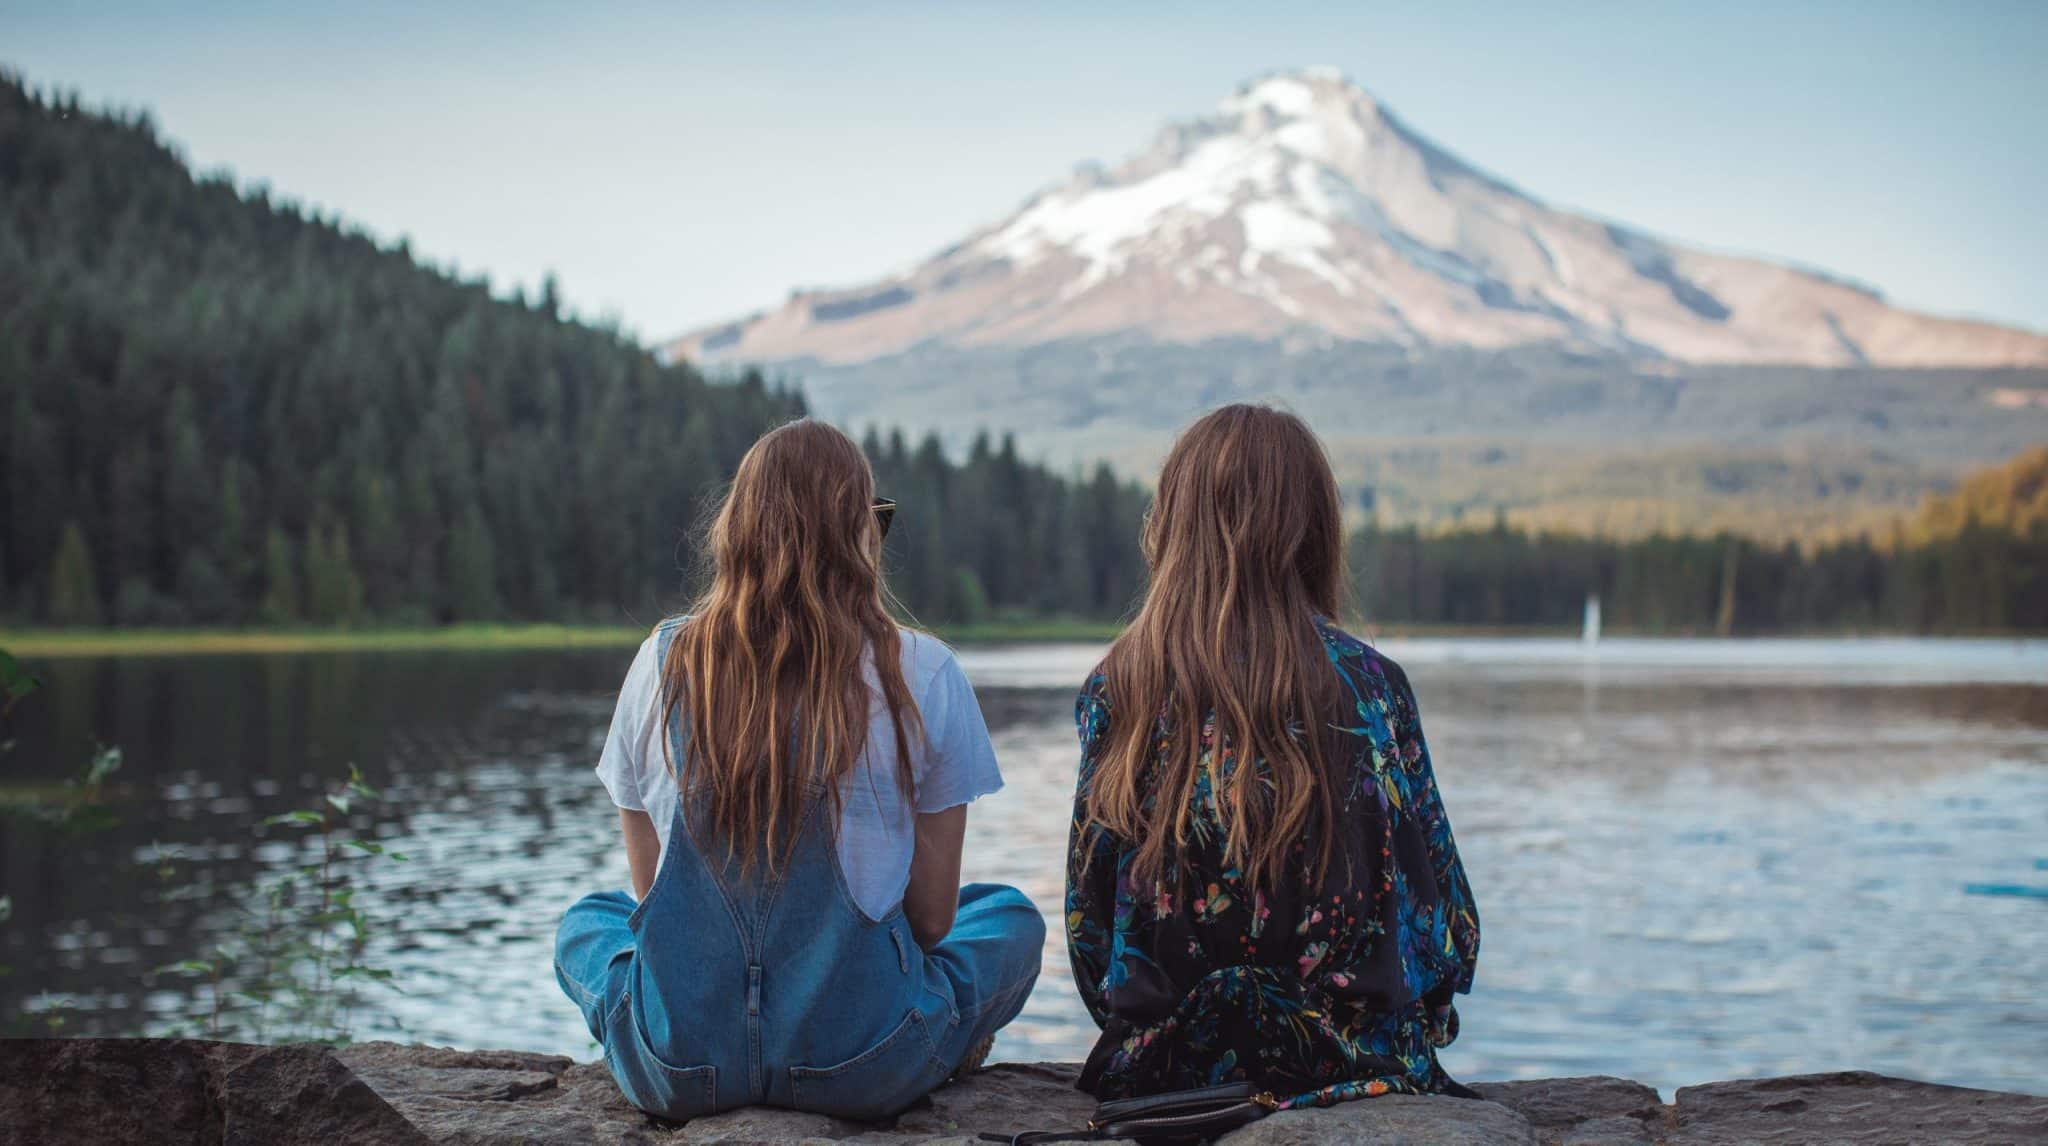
x,y
181,1090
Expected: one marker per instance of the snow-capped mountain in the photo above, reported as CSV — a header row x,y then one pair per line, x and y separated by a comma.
x,y
1305,206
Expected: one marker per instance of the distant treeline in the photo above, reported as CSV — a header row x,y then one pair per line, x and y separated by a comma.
x,y
222,411
995,535
1977,578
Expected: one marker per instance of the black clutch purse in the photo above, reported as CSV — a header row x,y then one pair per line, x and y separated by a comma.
x,y
1163,1119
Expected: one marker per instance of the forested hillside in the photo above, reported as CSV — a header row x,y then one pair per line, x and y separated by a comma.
x,y
220,410
2011,498
1975,560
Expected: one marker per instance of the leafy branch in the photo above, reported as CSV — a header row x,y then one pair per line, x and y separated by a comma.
x,y
293,968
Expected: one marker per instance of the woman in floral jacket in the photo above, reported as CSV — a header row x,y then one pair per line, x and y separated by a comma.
x,y
1262,884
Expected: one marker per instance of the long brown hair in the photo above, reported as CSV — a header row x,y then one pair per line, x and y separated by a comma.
x,y
1245,544
767,670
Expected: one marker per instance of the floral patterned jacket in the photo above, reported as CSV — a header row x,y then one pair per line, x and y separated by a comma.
x,y
1316,993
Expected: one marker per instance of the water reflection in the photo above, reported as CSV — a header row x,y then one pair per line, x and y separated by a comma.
x,y
1694,861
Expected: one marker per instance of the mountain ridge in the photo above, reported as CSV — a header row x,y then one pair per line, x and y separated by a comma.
x,y
1304,205
1493,354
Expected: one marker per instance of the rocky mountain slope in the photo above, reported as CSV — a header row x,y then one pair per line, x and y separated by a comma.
x,y
1463,346
1306,205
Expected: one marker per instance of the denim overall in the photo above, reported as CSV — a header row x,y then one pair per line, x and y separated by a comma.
x,y
718,991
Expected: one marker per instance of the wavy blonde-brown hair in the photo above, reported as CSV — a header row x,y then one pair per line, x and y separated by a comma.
x,y
767,671
1245,545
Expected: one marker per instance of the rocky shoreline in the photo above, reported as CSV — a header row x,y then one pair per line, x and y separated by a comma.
x,y
180,1090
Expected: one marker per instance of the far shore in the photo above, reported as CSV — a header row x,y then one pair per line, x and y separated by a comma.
x,y
46,643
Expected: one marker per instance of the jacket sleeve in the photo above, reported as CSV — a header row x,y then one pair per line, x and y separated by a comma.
x,y
1091,867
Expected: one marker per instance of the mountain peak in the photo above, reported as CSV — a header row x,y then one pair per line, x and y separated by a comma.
x,y
1297,94
1305,204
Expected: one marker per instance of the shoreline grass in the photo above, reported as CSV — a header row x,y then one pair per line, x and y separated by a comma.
x,y
52,643
43,643
1048,630
186,642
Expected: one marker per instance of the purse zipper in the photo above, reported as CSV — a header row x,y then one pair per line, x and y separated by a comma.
x,y
1264,1100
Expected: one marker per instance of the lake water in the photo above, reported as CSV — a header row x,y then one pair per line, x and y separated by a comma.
x,y
1693,860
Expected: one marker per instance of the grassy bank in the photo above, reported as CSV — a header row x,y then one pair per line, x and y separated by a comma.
x,y
168,642
188,642
1040,631
46,643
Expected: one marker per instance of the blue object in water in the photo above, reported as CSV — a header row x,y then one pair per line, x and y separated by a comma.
x,y
2013,889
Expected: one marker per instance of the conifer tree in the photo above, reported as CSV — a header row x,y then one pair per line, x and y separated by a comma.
x,y
334,593
74,587
203,590
384,560
189,499
472,570
281,600
234,547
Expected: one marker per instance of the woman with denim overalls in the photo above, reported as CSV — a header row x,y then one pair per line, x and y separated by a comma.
x,y
792,773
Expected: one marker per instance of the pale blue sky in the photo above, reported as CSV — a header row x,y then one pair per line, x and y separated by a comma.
x,y
681,164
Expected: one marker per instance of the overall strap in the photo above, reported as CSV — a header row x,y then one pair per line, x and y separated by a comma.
x,y
750,903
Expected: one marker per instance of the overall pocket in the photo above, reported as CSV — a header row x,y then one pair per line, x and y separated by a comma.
x,y
649,1082
877,1082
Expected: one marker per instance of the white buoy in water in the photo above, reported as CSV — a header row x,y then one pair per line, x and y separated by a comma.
x,y
1589,633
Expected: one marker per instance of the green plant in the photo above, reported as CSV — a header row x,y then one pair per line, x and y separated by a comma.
x,y
81,807
15,683
293,967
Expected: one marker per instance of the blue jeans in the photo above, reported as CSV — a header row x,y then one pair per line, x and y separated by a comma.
x,y
717,991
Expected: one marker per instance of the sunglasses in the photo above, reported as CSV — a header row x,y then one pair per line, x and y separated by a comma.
x,y
885,512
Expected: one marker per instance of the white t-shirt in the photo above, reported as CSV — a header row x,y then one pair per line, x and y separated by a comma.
x,y
954,765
